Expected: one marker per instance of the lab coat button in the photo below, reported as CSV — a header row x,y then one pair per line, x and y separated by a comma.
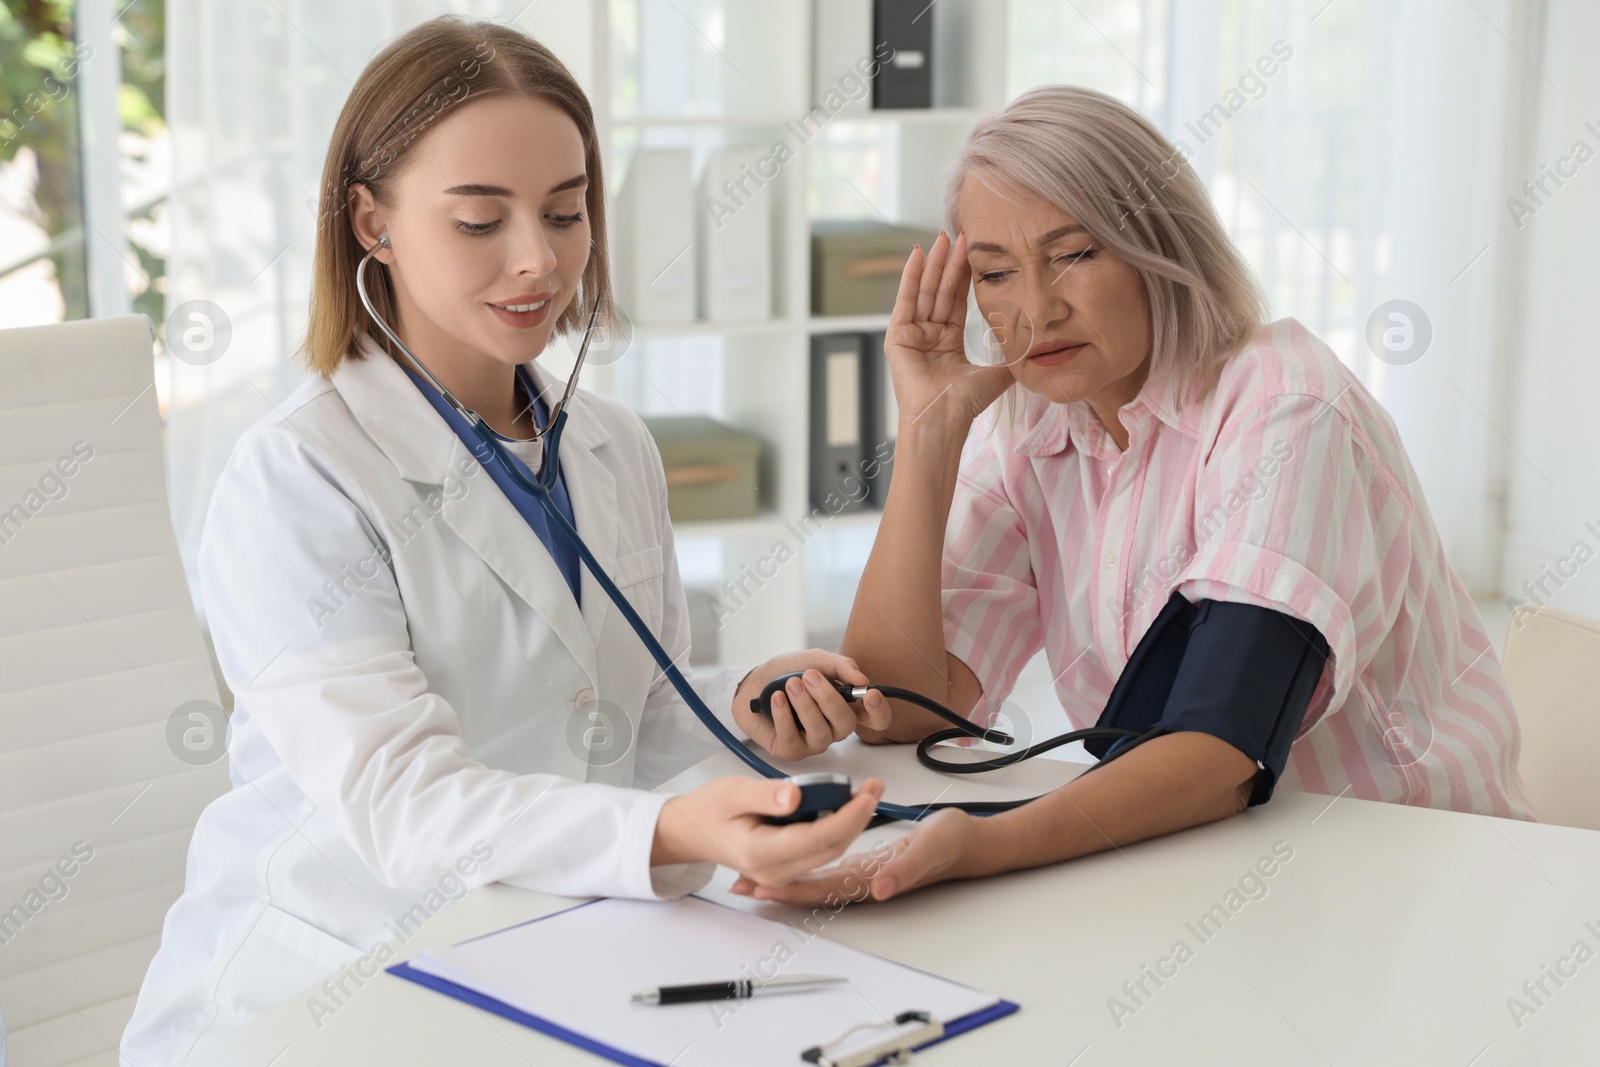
x,y
585,696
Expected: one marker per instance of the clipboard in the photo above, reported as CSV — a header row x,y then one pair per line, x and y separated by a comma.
x,y
568,975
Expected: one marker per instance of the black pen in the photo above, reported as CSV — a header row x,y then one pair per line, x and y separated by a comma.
x,y
738,989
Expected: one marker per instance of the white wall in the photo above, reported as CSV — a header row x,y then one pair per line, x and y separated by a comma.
x,y
1554,514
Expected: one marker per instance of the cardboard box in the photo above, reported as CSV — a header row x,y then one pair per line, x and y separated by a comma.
x,y
856,264
713,470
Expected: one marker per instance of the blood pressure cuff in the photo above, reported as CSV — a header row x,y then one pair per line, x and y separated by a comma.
x,y
1236,671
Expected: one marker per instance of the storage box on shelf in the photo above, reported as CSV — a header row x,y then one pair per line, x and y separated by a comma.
x,y
708,76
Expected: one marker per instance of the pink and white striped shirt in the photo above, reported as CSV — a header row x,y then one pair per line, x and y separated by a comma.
x,y
1287,488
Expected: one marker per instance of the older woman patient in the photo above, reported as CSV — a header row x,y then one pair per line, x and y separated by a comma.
x,y
1157,438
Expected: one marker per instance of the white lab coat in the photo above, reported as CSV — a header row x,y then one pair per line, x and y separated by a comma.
x,y
420,706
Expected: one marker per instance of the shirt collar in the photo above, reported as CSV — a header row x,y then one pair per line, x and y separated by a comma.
x,y
1053,426
403,423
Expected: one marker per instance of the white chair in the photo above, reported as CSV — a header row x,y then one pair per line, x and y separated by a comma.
x,y
99,647
1552,664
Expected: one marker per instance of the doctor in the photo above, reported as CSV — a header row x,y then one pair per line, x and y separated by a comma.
x,y
428,696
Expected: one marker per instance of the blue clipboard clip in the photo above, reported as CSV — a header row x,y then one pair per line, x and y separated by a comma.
x,y
894,1050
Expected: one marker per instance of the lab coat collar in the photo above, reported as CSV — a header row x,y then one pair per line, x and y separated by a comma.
x,y
424,449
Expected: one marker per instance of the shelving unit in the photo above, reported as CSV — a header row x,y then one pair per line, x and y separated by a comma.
x,y
705,74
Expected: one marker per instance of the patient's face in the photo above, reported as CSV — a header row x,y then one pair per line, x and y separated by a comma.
x,y
1042,282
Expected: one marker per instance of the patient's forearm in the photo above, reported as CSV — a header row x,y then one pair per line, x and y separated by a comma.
x,y
896,629
1170,783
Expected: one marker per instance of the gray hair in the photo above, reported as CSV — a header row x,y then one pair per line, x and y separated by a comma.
x,y
1115,173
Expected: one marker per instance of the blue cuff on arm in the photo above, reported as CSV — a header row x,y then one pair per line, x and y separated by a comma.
x,y
1239,672
1247,677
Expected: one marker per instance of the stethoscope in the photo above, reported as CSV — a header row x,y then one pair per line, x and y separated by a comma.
x,y
540,487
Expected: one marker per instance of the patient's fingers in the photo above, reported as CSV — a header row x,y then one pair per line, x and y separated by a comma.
x,y
905,298
932,273
922,857
906,869
850,880
953,285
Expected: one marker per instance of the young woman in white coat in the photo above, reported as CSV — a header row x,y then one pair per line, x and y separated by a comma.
x,y
427,698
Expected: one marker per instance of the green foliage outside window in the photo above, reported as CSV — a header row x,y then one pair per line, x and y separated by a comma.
x,y
40,59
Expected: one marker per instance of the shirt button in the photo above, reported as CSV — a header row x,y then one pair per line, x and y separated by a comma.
x,y
585,696
1111,559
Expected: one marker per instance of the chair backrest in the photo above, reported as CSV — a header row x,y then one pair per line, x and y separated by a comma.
x,y
1552,665
109,725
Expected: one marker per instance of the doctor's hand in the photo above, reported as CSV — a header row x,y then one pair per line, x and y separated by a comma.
x,y
943,847
721,821
808,715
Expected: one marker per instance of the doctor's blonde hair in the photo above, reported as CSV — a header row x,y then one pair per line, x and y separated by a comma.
x,y
1112,170
419,78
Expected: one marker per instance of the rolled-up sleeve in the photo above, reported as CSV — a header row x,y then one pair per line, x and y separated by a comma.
x,y
990,596
1294,515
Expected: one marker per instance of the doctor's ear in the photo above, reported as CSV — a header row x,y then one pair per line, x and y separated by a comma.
x,y
366,221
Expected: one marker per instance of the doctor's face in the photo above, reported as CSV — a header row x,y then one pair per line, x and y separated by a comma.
x,y
1071,317
489,229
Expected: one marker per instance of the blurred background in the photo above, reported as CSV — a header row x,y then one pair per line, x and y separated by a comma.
x,y
1412,169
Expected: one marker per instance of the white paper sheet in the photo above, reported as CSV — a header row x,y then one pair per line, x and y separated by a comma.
x,y
578,968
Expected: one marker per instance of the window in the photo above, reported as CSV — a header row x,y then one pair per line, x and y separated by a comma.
x,y
70,217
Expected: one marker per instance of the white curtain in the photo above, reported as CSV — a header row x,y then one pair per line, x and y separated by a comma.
x,y
1554,537
1366,167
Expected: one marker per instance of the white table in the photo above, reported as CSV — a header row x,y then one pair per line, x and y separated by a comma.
x,y
1394,935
